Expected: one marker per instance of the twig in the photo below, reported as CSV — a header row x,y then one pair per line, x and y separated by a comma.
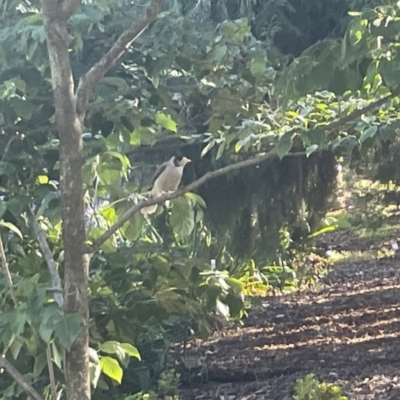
x,y
4,264
358,113
51,264
89,80
51,372
13,372
57,290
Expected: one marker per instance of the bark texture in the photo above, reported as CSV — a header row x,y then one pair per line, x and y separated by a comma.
x,y
70,113
76,264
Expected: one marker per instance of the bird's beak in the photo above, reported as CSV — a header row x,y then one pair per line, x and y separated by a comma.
x,y
185,160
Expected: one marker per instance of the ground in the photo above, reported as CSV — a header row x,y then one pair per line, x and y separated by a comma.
x,y
345,331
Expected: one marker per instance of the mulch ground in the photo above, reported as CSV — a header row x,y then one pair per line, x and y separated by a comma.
x,y
345,332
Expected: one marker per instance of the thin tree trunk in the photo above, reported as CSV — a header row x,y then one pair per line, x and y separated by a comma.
x,y
76,263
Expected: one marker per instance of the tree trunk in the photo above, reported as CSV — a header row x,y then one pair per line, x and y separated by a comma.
x,y
69,126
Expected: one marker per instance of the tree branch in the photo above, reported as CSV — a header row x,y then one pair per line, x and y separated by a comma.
x,y
225,170
89,80
51,264
359,112
192,186
69,7
13,372
4,264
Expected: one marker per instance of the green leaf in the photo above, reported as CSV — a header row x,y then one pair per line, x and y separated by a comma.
x,y
50,316
166,121
40,363
108,175
3,208
368,133
311,149
349,142
325,229
235,283
111,368
17,322
285,144
258,66
110,347
23,108
217,54
196,199
119,83
207,148
58,354
11,227
67,329
15,348
131,229
131,350
182,217
220,151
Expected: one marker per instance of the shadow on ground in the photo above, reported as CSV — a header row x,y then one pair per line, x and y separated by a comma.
x,y
347,332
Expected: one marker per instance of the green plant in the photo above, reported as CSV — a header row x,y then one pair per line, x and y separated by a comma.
x,y
309,388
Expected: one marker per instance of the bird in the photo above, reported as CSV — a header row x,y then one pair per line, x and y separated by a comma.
x,y
166,179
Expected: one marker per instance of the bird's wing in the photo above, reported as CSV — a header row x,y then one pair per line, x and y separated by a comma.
x,y
159,171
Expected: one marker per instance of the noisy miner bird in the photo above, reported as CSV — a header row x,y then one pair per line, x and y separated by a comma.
x,y
166,179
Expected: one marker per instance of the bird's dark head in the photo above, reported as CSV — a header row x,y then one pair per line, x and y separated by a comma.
x,y
180,161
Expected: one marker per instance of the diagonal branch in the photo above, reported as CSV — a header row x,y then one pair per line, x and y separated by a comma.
x,y
359,112
230,168
16,375
48,256
4,264
192,186
89,80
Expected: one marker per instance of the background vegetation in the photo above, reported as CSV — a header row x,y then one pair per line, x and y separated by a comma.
x,y
221,81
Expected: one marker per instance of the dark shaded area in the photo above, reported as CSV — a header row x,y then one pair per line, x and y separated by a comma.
x,y
291,26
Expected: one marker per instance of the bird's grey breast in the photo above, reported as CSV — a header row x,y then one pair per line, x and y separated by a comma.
x,y
168,180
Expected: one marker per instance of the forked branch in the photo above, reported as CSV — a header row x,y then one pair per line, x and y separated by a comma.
x,y
89,80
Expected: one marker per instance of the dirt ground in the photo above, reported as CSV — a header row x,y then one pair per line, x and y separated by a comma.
x,y
346,332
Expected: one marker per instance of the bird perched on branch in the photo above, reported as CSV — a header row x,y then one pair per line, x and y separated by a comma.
x,y
166,179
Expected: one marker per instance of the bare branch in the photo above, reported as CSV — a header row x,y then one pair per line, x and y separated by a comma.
x,y
51,372
4,264
51,264
89,80
57,293
13,372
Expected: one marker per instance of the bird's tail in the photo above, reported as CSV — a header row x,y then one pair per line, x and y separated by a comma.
x,y
150,209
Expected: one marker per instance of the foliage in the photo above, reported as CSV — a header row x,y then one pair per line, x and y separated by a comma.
x,y
217,91
309,388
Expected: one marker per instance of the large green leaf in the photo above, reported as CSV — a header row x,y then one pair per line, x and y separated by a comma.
x,y
131,350
166,121
284,145
111,368
67,329
131,229
182,217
